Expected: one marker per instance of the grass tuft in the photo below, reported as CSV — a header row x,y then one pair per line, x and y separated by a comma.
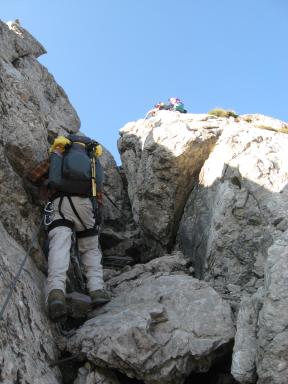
x,y
219,112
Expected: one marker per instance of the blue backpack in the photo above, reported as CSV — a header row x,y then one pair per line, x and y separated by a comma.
x,y
70,169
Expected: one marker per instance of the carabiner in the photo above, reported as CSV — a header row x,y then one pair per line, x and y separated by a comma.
x,y
49,207
47,220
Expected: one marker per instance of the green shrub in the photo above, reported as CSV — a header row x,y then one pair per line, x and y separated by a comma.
x,y
219,112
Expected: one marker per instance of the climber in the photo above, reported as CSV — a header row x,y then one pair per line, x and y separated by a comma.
x,y
162,106
157,107
75,196
174,104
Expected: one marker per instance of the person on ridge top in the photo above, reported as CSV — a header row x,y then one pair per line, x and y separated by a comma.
x,y
174,104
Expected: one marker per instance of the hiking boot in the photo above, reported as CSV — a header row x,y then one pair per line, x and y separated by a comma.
x,y
56,304
77,305
100,296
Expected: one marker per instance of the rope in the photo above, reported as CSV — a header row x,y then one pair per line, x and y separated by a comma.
x,y
120,210
13,284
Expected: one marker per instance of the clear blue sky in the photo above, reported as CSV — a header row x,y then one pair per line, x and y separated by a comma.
x,y
117,58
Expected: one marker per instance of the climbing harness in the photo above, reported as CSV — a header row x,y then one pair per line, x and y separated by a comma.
x,y
69,223
13,284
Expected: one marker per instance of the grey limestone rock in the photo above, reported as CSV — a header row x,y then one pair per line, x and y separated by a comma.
x,y
26,337
234,230
32,107
158,328
162,157
119,233
245,347
93,375
17,42
235,213
272,337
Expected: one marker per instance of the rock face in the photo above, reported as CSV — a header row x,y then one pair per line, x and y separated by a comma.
x,y
238,209
119,236
245,348
261,339
26,339
272,336
232,221
32,106
160,325
88,375
162,158
203,199
233,218
33,110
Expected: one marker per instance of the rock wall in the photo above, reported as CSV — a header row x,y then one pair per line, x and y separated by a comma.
x,y
233,225
26,338
238,209
120,238
162,157
33,110
32,106
232,222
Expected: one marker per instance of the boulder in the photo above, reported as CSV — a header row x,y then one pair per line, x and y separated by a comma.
x,y
159,327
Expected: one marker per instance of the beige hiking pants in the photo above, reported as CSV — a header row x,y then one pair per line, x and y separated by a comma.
x,y
60,244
